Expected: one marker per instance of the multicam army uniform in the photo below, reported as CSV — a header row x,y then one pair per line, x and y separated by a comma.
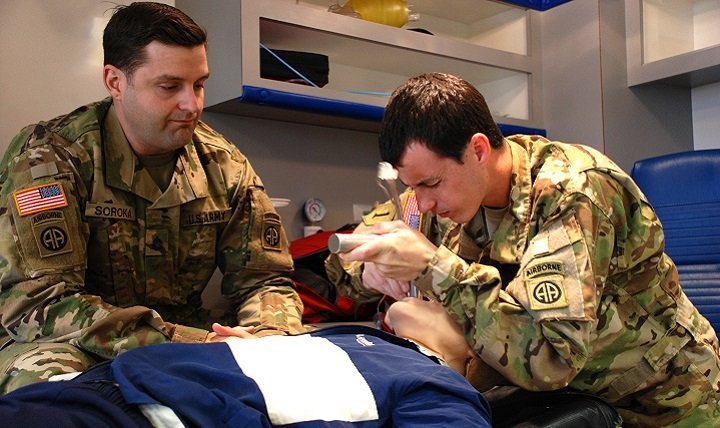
x,y
95,256
574,290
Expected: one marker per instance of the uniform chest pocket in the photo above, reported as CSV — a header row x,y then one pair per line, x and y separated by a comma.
x,y
113,252
197,247
113,259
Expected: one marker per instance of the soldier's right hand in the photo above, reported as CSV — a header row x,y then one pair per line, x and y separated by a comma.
x,y
222,333
399,252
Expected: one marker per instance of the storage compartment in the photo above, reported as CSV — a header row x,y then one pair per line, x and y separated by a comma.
x,y
675,42
676,27
483,41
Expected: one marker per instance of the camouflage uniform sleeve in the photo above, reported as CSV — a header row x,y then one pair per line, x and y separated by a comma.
x,y
254,256
535,329
43,253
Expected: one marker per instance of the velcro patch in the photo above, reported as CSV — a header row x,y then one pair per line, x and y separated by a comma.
x,y
206,217
545,267
40,198
51,235
271,237
411,212
119,212
546,292
544,281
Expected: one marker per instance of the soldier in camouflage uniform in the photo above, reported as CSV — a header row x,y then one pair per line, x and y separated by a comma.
x,y
546,254
116,215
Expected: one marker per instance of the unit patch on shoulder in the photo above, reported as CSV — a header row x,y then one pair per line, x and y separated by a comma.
x,y
271,237
544,281
40,198
51,233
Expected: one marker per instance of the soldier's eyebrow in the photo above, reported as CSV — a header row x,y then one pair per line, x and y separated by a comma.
x,y
422,182
166,77
173,78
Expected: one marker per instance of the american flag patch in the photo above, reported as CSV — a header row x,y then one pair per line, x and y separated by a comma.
x,y
411,212
40,198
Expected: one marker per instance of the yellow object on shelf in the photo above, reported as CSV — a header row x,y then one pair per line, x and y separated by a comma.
x,y
388,12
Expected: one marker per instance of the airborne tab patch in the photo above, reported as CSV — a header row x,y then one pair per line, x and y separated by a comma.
x,y
544,281
545,267
40,198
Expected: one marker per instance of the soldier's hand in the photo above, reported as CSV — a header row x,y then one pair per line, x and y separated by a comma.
x,y
400,253
222,333
374,280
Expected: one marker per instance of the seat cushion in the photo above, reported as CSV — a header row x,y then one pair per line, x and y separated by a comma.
x,y
684,189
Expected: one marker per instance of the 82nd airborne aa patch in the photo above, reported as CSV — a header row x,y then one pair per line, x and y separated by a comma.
x,y
271,237
51,234
544,281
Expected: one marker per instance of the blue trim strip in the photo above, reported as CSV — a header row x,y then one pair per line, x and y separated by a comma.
x,y
517,129
263,96
540,5
271,97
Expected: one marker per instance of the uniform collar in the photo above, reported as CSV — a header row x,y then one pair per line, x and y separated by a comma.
x,y
124,171
510,239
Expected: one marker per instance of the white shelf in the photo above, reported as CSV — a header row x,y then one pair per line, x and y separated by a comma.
x,y
483,23
676,42
366,56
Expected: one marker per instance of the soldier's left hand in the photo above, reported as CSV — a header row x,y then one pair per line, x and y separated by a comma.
x,y
373,279
400,253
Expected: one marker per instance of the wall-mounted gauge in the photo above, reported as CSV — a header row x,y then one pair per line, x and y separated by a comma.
x,y
314,210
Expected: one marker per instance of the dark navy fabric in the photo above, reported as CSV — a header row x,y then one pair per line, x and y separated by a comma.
x,y
206,387
95,401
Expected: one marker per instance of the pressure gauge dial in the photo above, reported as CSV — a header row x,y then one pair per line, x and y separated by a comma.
x,y
314,210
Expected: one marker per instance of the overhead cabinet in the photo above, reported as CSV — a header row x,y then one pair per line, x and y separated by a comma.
x,y
675,42
486,42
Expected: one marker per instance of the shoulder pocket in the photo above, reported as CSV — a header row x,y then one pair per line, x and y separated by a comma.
x,y
268,245
48,227
548,283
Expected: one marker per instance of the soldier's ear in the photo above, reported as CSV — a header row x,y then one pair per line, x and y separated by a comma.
x,y
113,78
480,146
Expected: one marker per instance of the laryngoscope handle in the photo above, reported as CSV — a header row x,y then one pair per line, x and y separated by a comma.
x,y
344,242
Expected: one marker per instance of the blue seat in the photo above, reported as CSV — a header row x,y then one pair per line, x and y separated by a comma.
x,y
684,189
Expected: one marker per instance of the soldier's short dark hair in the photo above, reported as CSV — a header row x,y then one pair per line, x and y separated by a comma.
x,y
133,27
439,110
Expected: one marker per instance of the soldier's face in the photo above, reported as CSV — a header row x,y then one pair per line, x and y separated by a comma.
x,y
161,104
443,185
